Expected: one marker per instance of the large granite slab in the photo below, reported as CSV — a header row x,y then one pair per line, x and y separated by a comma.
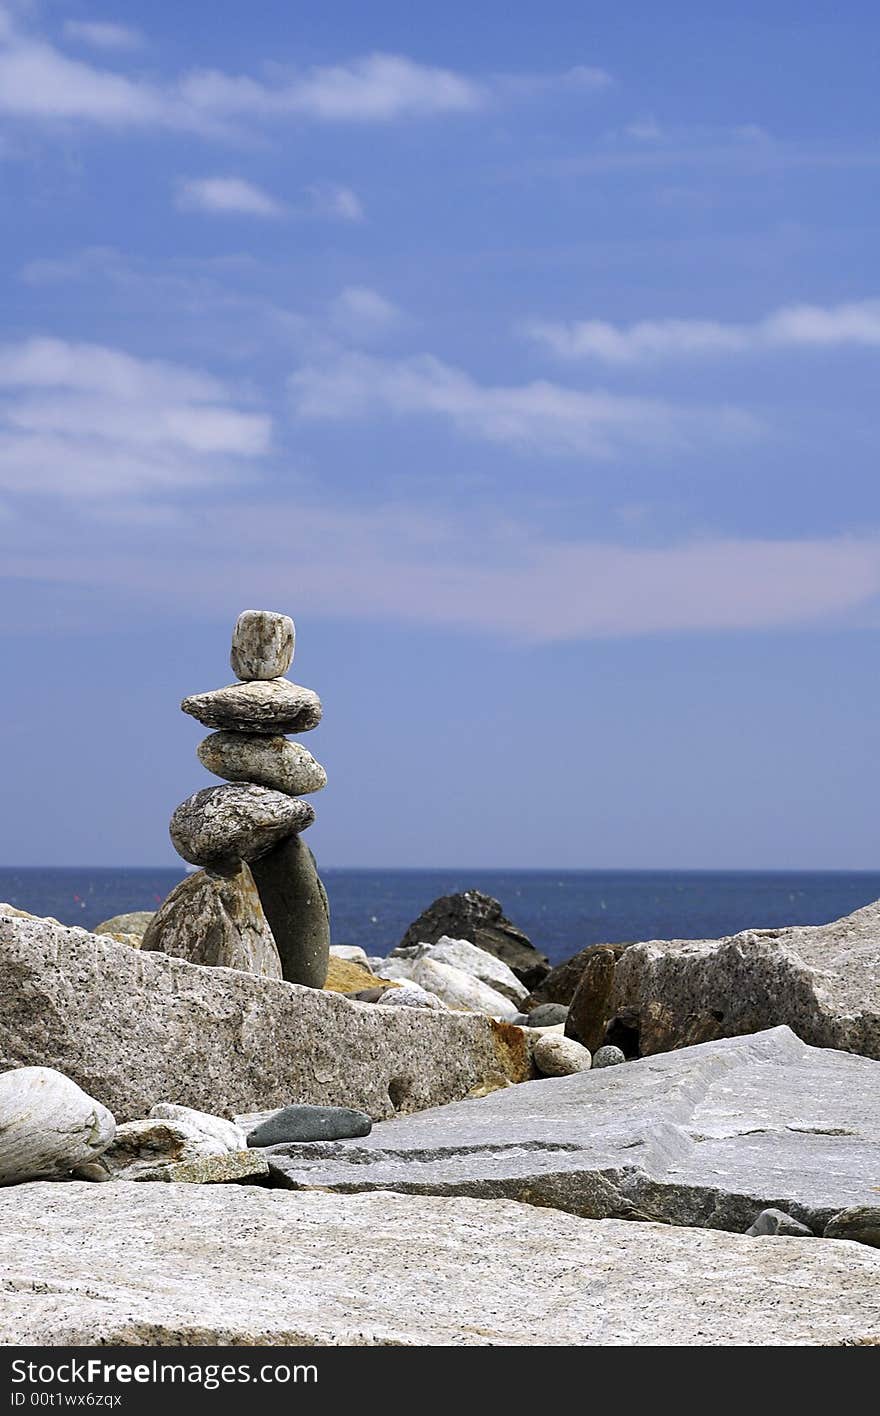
x,y
706,1136
178,1265
134,1028
822,981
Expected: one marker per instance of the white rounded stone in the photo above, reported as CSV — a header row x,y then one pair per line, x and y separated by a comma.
x,y
48,1125
558,1056
262,645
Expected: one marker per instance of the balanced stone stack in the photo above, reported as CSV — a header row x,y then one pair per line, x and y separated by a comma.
x,y
258,903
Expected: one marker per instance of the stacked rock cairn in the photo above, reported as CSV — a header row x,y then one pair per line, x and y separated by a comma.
x,y
258,903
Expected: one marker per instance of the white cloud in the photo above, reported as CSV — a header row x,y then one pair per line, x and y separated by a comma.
x,y
101,34
361,313
340,203
794,326
226,195
542,416
82,420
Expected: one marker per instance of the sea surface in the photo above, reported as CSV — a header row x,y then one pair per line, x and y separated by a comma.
x,y
560,911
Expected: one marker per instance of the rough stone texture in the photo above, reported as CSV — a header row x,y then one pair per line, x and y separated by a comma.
x,y
861,1223
349,953
346,977
824,982
175,1266
608,1056
262,645
590,1008
479,919
216,920
556,1056
547,1015
559,984
295,904
240,821
452,986
142,1150
136,923
461,954
269,761
214,1169
274,707
230,1136
14,913
309,1123
774,1221
48,1125
409,995
137,1027
709,1136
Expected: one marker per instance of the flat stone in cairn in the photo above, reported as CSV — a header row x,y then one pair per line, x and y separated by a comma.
x,y
269,761
295,904
241,821
274,707
262,645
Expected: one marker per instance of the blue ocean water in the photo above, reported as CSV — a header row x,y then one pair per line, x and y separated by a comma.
x,y
560,911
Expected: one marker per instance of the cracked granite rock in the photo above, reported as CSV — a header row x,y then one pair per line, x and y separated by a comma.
x,y
708,1136
239,821
276,706
822,981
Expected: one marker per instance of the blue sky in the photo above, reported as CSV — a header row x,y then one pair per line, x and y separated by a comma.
x,y
526,354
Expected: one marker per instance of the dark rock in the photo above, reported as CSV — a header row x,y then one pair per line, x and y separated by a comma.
x,y
588,1011
310,1123
215,919
295,904
561,982
776,1221
861,1223
480,920
546,1015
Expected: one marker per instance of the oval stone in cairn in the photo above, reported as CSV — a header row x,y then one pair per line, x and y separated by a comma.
x,y
236,822
269,761
262,645
295,904
274,707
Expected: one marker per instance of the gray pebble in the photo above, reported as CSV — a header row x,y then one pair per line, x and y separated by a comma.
x,y
310,1123
608,1056
547,1015
776,1221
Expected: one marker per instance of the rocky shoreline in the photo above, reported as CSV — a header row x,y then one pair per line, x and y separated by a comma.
x,y
672,1142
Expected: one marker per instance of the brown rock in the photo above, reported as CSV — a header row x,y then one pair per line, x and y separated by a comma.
x,y
215,919
561,982
589,1008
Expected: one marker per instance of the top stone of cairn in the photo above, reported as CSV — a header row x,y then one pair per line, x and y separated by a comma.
x,y
262,645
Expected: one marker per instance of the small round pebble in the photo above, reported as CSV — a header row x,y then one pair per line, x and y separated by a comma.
x,y
547,1015
558,1056
608,1056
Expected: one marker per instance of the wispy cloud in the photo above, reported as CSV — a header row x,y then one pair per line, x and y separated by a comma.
x,y
792,326
334,201
85,421
543,416
225,196
358,312
101,34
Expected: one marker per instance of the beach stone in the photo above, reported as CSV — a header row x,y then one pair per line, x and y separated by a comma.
x,y
776,1221
215,919
214,1169
861,1223
608,1056
135,1027
557,1056
461,954
344,976
349,953
48,1124
546,1015
590,1006
295,904
269,761
196,1266
822,981
559,984
141,1150
452,986
274,707
240,821
410,995
13,913
310,1123
480,920
262,645
217,1128
135,922
707,1136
